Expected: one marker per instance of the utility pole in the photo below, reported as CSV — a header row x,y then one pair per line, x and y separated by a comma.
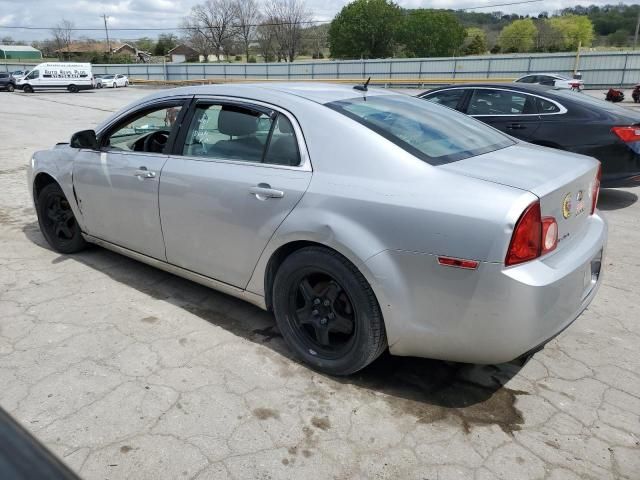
x,y
635,37
106,31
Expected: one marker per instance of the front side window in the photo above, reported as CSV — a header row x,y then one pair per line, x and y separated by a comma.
x,y
232,132
448,98
431,133
32,75
499,102
528,79
147,131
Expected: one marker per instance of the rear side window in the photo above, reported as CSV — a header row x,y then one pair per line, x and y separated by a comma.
x,y
431,133
545,106
499,102
231,132
448,98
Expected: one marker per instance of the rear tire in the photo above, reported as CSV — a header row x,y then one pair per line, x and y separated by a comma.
x,y
27,89
327,312
73,88
57,221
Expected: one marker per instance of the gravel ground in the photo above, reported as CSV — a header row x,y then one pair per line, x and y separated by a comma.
x,y
128,372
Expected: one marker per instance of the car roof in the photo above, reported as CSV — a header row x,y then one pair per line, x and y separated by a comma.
x,y
524,87
316,92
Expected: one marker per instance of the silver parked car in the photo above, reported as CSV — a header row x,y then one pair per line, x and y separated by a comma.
x,y
362,219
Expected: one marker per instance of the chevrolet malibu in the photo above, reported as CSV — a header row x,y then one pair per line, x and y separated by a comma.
x,y
363,219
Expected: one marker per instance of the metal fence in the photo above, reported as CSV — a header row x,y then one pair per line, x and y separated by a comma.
x,y
599,69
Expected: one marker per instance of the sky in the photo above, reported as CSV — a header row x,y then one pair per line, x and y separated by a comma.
x,y
166,14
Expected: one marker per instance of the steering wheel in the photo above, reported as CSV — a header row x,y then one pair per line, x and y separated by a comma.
x,y
156,141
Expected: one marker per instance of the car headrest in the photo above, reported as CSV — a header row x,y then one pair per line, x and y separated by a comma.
x,y
284,125
235,123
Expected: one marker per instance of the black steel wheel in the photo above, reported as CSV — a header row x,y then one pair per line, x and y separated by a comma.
x,y
57,221
27,88
327,312
73,88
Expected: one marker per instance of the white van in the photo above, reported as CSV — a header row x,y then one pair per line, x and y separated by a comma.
x,y
68,76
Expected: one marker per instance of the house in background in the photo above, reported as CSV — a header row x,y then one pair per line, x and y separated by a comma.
x,y
82,50
182,53
19,52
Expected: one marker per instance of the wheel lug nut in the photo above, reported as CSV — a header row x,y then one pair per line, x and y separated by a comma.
x,y
323,321
314,312
326,303
332,316
316,301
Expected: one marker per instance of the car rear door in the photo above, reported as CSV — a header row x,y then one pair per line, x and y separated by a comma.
x,y
117,186
510,111
237,171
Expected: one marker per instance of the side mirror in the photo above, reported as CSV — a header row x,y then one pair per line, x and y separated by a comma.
x,y
84,139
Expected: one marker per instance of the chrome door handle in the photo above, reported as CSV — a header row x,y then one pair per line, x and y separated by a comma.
x,y
516,126
142,172
262,191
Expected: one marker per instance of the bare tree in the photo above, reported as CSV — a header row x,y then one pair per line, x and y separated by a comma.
x,y
247,17
7,41
266,37
288,17
62,34
215,21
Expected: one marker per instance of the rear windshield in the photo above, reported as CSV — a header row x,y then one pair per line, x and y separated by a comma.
x,y
434,134
588,101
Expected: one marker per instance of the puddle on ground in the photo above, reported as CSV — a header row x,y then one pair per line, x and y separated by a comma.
x,y
431,391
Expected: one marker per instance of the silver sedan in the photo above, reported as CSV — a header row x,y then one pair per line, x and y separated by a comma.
x,y
363,219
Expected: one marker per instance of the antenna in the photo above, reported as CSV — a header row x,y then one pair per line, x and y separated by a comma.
x,y
364,86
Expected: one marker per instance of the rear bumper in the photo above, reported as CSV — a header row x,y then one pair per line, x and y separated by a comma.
x,y
493,314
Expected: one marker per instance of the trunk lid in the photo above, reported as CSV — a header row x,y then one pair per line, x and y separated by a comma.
x,y
562,181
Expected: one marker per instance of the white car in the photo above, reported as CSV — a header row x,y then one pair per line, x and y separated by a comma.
x,y
553,80
19,74
114,81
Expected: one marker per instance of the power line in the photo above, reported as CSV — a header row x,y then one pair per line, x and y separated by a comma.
x,y
266,24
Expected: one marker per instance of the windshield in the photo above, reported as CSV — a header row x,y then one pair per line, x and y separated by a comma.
x,y
433,133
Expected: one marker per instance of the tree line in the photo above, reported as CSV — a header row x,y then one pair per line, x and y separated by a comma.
x,y
282,30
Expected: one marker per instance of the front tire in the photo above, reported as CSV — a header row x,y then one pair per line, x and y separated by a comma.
x,y
327,312
57,221
27,89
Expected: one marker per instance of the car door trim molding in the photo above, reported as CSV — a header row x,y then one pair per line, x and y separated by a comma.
x,y
562,108
253,298
305,158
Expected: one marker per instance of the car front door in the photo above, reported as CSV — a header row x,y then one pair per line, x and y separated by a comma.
x,y
510,111
237,171
117,186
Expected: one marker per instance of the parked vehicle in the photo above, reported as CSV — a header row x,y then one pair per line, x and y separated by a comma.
x,y
635,94
552,80
363,219
114,81
556,118
7,82
19,74
613,95
98,80
58,75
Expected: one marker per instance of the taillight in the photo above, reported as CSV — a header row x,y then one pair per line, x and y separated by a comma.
x,y
527,237
533,236
595,189
627,134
